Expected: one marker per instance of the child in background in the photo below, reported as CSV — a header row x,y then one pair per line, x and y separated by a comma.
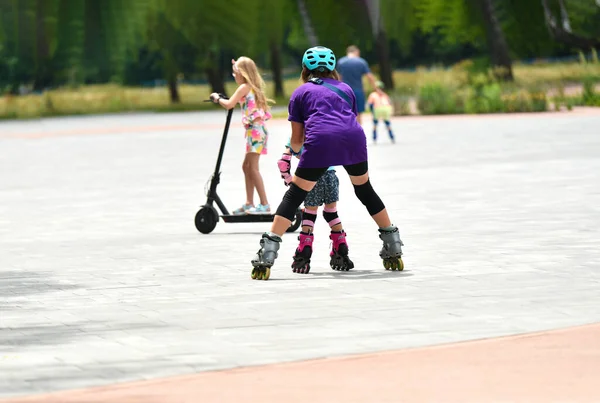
x,y
382,109
327,192
251,96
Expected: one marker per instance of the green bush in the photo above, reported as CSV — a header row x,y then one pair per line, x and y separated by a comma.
x,y
518,101
437,99
401,104
484,99
590,97
539,101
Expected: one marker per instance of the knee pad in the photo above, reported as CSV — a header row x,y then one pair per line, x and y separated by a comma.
x,y
292,199
331,216
367,196
309,217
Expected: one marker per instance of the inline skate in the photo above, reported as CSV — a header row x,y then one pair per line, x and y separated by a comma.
x,y
391,253
265,257
339,259
303,253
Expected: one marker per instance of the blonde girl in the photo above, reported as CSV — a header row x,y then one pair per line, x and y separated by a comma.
x,y
251,96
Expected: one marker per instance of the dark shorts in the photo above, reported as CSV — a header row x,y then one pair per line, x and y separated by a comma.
x,y
360,101
326,190
313,174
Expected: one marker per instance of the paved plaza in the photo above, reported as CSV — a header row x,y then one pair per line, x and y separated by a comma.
x,y
104,278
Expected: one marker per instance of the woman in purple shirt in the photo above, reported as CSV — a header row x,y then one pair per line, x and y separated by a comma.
x,y
323,113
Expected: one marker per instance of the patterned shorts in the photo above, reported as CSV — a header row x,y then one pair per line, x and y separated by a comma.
x,y
256,139
326,190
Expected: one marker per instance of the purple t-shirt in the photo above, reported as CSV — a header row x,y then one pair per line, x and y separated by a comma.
x,y
333,137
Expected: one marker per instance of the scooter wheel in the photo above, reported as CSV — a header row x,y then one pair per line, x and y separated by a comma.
x,y
206,220
296,223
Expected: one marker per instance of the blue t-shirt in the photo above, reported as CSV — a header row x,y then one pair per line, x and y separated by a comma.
x,y
352,69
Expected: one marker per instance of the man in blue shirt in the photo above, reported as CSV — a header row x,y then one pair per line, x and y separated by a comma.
x,y
352,68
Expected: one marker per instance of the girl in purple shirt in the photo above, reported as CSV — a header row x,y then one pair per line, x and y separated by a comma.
x,y
323,113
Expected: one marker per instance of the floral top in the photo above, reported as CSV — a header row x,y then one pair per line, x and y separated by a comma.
x,y
252,115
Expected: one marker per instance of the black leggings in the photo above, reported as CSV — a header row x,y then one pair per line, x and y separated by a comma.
x,y
294,196
313,174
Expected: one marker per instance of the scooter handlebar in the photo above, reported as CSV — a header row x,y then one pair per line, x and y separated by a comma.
x,y
222,96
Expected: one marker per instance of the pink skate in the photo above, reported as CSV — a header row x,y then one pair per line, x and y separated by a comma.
x,y
339,252
301,262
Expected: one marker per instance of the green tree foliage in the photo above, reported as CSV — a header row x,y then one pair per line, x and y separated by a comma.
x,y
559,17
48,42
174,48
45,43
68,62
455,20
213,27
399,21
274,16
469,21
526,39
584,16
339,24
113,29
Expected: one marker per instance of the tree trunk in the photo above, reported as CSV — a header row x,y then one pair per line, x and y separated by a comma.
x,y
276,69
385,67
171,70
560,34
372,7
42,72
499,52
214,68
307,24
173,89
215,79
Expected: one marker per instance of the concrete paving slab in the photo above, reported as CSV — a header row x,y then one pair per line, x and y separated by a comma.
x,y
104,279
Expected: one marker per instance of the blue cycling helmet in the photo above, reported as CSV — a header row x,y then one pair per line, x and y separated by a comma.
x,y
320,58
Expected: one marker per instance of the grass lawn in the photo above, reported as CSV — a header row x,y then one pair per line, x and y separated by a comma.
x,y
109,98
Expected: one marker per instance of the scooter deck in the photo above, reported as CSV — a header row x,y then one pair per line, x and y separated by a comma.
x,y
248,218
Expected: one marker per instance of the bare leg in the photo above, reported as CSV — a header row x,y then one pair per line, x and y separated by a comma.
x,y
249,182
256,177
382,218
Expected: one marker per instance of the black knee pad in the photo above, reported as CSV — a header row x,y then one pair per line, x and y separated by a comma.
x,y
331,217
308,219
292,199
367,196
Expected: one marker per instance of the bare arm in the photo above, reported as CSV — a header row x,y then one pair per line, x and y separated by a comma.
x,y
241,92
373,81
297,136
